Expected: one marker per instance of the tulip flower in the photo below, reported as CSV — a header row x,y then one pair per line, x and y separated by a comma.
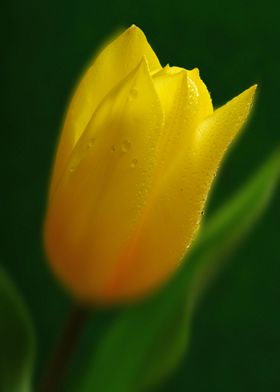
x,y
139,150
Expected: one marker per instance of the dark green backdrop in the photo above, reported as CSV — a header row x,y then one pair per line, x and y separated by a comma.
x,y
44,46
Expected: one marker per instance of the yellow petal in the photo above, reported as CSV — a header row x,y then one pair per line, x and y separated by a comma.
x,y
167,85
186,102
201,92
217,131
111,66
174,210
104,190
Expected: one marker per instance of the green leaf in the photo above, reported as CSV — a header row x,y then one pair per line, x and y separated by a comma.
x,y
146,341
17,344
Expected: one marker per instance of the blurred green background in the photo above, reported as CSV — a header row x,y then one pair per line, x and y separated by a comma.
x,y
44,47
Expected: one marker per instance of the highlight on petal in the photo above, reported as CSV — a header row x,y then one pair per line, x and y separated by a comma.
x,y
112,65
186,102
202,93
110,171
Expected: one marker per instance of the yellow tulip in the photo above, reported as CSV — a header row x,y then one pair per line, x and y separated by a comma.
x,y
138,152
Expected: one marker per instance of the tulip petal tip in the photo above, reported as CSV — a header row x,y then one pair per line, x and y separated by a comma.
x,y
135,31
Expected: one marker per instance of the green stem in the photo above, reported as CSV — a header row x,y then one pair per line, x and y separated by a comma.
x,y
62,355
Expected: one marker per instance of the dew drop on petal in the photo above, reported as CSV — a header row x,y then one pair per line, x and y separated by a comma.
x,y
133,163
133,93
125,146
91,142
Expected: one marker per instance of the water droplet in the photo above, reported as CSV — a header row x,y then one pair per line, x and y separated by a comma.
x,y
125,146
133,163
72,169
91,142
133,93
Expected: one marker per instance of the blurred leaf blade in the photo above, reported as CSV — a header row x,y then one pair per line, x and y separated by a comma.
x,y
17,341
145,343
232,221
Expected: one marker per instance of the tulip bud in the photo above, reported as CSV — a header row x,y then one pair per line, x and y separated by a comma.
x,y
138,152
